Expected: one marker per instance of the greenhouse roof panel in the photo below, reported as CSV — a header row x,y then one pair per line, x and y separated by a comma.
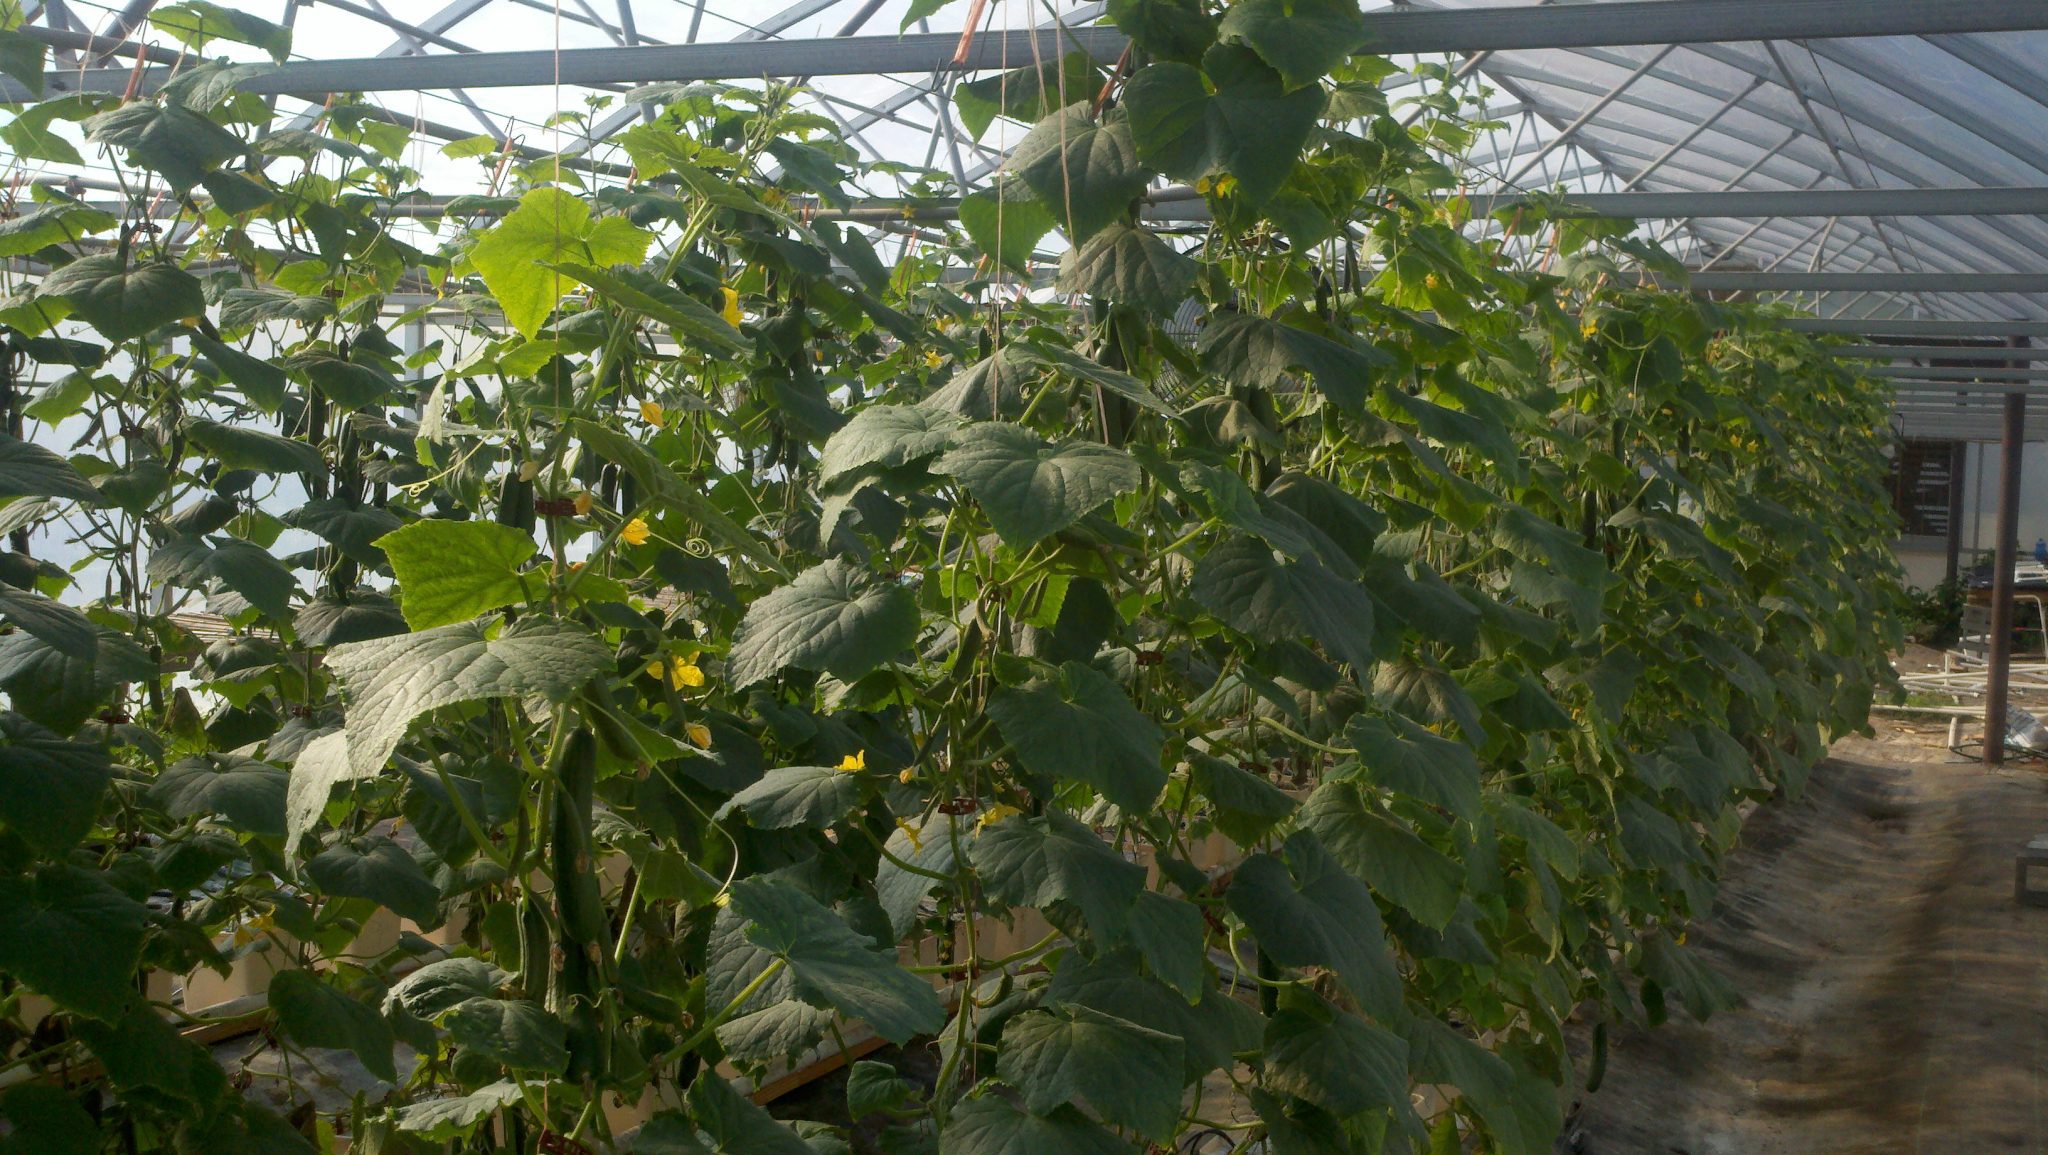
x,y
1651,96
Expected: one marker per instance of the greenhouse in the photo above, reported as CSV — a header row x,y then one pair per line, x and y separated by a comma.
x,y
1022,577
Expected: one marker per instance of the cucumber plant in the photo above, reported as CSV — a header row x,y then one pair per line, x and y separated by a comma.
x,y
1283,663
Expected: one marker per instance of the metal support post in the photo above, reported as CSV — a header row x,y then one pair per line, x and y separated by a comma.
x,y
1958,463
2005,550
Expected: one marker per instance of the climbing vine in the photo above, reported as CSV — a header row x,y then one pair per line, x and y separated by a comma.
x,y
1268,678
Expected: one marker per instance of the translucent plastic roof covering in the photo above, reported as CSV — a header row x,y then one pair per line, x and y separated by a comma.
x,y
1956,111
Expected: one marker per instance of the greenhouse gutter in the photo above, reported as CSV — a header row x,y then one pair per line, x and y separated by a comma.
x,y
1389,32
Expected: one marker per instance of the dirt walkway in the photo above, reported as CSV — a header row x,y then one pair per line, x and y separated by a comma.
x,y
1897,997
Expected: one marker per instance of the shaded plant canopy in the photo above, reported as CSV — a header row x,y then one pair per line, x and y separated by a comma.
x,y
1269,678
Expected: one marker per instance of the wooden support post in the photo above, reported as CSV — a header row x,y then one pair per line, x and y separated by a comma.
x,y
2006,549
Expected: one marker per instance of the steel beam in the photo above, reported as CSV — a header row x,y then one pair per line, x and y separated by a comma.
x,y
1989,375
1733,281
1392,31
1915,327
1848,202
1998,353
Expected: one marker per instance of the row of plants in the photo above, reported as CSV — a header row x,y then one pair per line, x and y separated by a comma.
x,y
1290,663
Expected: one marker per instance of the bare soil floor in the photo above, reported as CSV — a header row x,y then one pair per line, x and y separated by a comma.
x,y
1896,995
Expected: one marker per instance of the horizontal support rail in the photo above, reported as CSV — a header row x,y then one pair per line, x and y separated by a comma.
x,y
1915,327
1794,203
1955,373
1739,281
1942,352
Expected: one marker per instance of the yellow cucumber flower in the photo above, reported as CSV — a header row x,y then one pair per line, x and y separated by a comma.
x,y
635,532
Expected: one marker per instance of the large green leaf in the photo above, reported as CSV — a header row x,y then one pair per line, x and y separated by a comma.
x,y
1415,875
1168,29
511,1033
810,796
885,437
1076,724
835,618
329,620
1402,756
1337,1061
46,1120
61,223
1130,1075
519,256
317,1015
835,967
61,687
122,301
1131,266
141,1049
1036,862
693,323
1026,94
351,528
1520,1107
443,984
239,447
1213,1030
242,308
198,22
735,1124
1274,598
990,1125
1531,538
1303,39
1089,371
1084,170
1006,222
452,571
320,766
391,681
446,1120
380,870
1252,350
991,388
244,567
1237,120
69,935
21,59
262,382
1030,487
250,794
1247,806
47,619
1307,912
166,138
1170,935
29,470
349,384
51,788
